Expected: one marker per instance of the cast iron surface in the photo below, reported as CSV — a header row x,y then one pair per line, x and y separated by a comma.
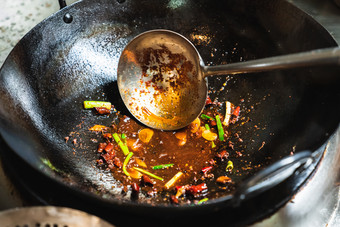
x,y
51,71
37,189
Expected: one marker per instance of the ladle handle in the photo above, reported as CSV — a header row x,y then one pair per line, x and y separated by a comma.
x,y
272,176
309,58
62,3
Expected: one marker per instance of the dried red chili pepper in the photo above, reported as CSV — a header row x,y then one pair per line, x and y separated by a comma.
x,y
117,162
108,157
195,190
102,110
107,136
108,147
213,122
206,169
101,147
174,199
208,101
147,181
135,188
237,111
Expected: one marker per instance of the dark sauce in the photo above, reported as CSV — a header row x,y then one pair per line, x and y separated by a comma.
x,y
164,148
187,149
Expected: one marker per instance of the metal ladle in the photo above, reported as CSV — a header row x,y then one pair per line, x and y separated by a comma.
x,y
162,78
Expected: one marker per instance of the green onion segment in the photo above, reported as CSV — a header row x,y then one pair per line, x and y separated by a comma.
x,y
126,161
230,166
93,104
219,128
205,117
148,173
162,166
122,146
202,200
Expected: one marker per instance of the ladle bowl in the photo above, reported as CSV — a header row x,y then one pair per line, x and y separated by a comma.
x,y
162,78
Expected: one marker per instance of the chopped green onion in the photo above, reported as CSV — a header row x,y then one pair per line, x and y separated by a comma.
x,y
213,145
148,173
205,117
93,104
123,136
202,200
122,146
219,128
126,161
162,166
230,166
207,127
49,164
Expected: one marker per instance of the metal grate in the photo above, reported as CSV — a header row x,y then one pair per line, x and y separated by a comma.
x,y
49,216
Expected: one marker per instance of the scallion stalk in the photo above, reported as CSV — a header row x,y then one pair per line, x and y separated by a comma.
x,y
230,166
122,146
207,127
93,104
126,161
162,166
219,128
148,173
202,200
205,117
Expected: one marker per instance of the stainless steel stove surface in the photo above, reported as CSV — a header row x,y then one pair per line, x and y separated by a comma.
x,y
316,203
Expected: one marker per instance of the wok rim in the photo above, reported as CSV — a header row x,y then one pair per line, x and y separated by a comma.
x,y
127,204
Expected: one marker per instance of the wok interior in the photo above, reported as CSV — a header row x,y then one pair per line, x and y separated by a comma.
x,y
57,66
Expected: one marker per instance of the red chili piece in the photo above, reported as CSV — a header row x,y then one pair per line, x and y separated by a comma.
x,y
213,123
146,181
108,157
195,190
102,110
107,136
236,111
101,147
174,199
108,147
135,188
208,101
178,187
117,162
206,169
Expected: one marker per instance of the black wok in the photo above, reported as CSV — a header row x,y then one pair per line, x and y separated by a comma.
x,y
73,55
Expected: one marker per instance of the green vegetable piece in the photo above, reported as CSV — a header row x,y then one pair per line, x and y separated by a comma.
x,y
49,164
126,161
123,136
93,104
213,145
122,146
230,166
219,128
148,173
205,117
207,127
202,200
162,166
